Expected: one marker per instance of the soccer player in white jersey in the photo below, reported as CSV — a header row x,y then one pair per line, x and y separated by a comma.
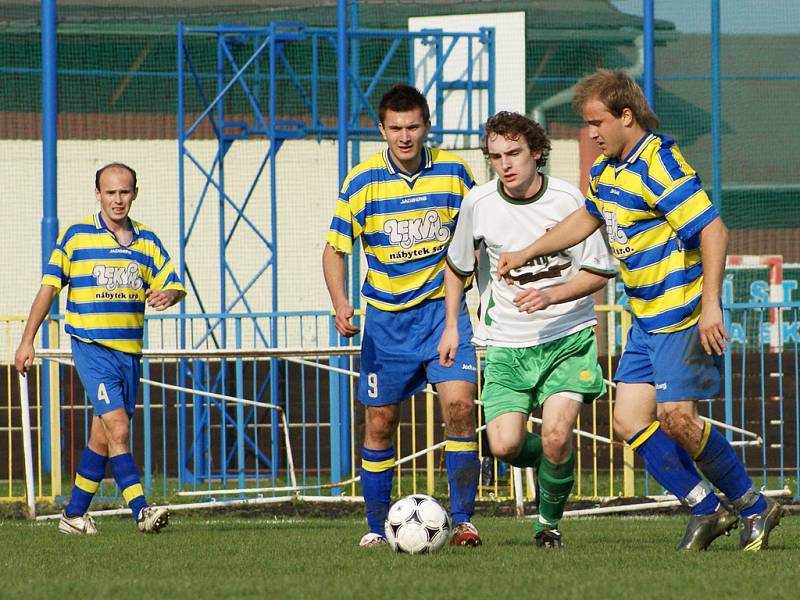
x,y
539,327
403,204
671,243
114,267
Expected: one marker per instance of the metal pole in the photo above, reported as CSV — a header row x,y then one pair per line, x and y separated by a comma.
x,y
648,41
339,435
183,364
273,173
716,150
49,228
355,154
716,196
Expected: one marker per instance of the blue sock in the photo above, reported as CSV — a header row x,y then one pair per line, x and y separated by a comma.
x,y
91,470
718,461
672,467
461,460
127,477
377,472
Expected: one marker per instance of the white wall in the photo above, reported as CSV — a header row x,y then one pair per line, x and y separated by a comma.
x,y
307,183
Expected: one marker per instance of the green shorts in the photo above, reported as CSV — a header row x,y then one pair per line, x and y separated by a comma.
x,y
521,379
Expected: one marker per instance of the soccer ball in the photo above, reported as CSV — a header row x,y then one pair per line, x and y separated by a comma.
x,y
417,524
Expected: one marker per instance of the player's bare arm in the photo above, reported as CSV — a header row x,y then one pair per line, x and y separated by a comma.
x,y
583,284
25,354
162,299
333,267
453,291
713,248
572,230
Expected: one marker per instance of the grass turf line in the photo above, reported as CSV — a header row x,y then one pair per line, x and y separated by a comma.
x,y
228,557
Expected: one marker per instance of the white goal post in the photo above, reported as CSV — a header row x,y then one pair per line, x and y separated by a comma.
x,y
774,264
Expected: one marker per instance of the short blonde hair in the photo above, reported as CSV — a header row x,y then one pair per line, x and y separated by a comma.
x,y
617,91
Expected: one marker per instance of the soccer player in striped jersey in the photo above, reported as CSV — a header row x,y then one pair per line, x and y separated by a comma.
x,y
671,244
539,329
113,266
403,203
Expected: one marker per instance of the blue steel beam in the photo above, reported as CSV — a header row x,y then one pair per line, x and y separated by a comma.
x,y
49,226
268,47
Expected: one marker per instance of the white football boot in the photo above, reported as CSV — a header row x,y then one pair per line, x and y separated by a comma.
x,y
372,540
80,525
152,519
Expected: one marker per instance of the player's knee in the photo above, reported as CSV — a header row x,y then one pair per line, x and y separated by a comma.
x,y
118,436
504,452
460,416
556,445
623,428
504,448
381,424
98,446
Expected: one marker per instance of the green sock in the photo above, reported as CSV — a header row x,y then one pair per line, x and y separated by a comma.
x,y
531,453
555,484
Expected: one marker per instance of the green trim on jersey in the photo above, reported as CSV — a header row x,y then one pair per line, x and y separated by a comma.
x,y
596,271
486,318
521,379
456,269
521,201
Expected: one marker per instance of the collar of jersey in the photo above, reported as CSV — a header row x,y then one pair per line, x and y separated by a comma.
x,y
100,224
425,163
633,155
520,201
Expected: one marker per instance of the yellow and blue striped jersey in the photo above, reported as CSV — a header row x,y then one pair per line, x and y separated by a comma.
x,y
654,208
405,223
107,281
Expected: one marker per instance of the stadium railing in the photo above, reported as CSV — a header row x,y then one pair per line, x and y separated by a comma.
x,y
232,423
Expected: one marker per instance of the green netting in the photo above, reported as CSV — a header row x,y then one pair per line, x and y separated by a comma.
x,y
117,82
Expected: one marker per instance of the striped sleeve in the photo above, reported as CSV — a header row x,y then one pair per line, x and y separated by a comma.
x,y
344,226
57,271
592,203
682,199
163,275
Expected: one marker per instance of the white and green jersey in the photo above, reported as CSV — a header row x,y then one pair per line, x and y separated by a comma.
x,y
505,224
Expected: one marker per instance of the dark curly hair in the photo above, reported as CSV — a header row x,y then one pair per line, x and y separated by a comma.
x,y
513,126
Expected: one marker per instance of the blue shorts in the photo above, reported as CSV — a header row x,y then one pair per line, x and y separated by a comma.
x,y
399,356
675,363
110,378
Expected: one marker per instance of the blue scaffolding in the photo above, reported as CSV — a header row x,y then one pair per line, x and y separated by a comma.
x,y
253,62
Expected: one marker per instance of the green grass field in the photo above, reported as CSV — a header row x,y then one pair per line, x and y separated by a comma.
x,y
230,556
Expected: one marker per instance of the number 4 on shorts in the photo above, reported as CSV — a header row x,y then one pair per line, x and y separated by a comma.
x,y
102,394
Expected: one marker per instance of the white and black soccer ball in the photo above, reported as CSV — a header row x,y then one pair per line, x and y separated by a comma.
x,y
417,524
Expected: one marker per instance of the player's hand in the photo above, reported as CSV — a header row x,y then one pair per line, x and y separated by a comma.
x,y
448,346
508,261
344,312
23,359
531,300
161,299
711,327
